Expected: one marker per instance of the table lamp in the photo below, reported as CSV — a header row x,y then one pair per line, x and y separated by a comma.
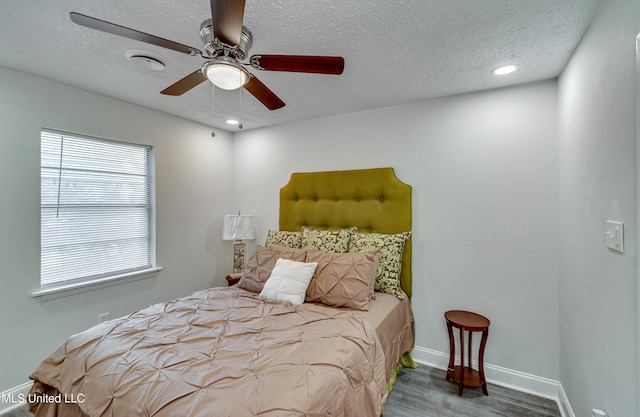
x,y
239,228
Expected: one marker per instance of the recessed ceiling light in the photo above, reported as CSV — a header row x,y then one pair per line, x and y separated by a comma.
x,y
232,121
507,69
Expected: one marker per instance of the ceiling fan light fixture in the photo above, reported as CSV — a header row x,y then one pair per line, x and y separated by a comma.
x,y
224,73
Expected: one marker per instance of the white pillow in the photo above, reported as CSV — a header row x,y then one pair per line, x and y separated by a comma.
x,y
289,281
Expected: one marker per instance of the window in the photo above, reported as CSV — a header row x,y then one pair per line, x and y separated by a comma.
x,y
96,211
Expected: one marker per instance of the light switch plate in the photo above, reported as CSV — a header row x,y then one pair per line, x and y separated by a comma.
x,y
614,235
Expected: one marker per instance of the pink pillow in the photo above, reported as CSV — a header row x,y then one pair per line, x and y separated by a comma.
x,y
343,279
259,266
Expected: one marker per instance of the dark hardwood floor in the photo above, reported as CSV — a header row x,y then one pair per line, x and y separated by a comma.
x,y
424,392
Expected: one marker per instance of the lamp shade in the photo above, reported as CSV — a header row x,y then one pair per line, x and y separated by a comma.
x,y
238,227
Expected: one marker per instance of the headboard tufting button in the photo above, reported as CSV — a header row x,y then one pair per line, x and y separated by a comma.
x,y
381,198
358,199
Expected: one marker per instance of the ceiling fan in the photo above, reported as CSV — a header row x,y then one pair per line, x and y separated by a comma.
x,y
227,43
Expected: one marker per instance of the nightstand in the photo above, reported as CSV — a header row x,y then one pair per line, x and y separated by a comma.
x,y
233,279
465,376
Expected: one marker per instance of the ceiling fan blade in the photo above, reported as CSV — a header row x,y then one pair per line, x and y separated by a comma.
x,y
263,94
187,83
104,26
299,63
227,20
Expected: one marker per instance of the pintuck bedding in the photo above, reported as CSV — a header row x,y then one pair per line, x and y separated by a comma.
x,y
235,351
218,352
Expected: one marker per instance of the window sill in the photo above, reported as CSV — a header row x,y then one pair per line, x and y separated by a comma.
x,y
64,290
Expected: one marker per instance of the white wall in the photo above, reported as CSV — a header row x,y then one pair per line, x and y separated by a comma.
x,y
598,287
192,194
483,169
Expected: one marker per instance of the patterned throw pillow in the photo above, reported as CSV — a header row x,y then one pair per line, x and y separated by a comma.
x,y
391,247
283,238
327,240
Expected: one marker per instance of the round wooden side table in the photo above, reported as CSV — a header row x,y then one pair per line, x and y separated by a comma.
x,y
466,376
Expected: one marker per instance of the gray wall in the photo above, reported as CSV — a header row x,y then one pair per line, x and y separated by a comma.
x,y
598,287
483,169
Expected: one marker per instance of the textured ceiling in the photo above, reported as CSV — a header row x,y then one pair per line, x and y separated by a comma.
x,y
395,51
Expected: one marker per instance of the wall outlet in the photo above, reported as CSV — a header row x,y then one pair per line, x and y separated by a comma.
x,y
104,317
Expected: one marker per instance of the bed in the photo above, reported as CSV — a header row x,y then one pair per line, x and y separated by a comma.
x,y
238,351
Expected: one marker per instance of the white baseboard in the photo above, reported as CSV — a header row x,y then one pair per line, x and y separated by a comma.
x,y
563,403
14,397
520,381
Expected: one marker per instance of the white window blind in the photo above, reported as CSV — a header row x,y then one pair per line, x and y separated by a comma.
x,y
95,208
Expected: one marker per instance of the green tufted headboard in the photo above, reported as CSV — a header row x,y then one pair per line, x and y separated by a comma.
x,y
373,200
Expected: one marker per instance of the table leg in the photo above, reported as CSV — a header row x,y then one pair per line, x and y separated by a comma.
x,y
461,383
483,343
469,349
452,349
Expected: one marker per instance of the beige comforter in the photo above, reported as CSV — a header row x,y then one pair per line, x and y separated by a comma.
x,y
218,352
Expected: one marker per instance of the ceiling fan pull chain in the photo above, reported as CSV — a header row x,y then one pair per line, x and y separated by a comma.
x,y
241,112
213,101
